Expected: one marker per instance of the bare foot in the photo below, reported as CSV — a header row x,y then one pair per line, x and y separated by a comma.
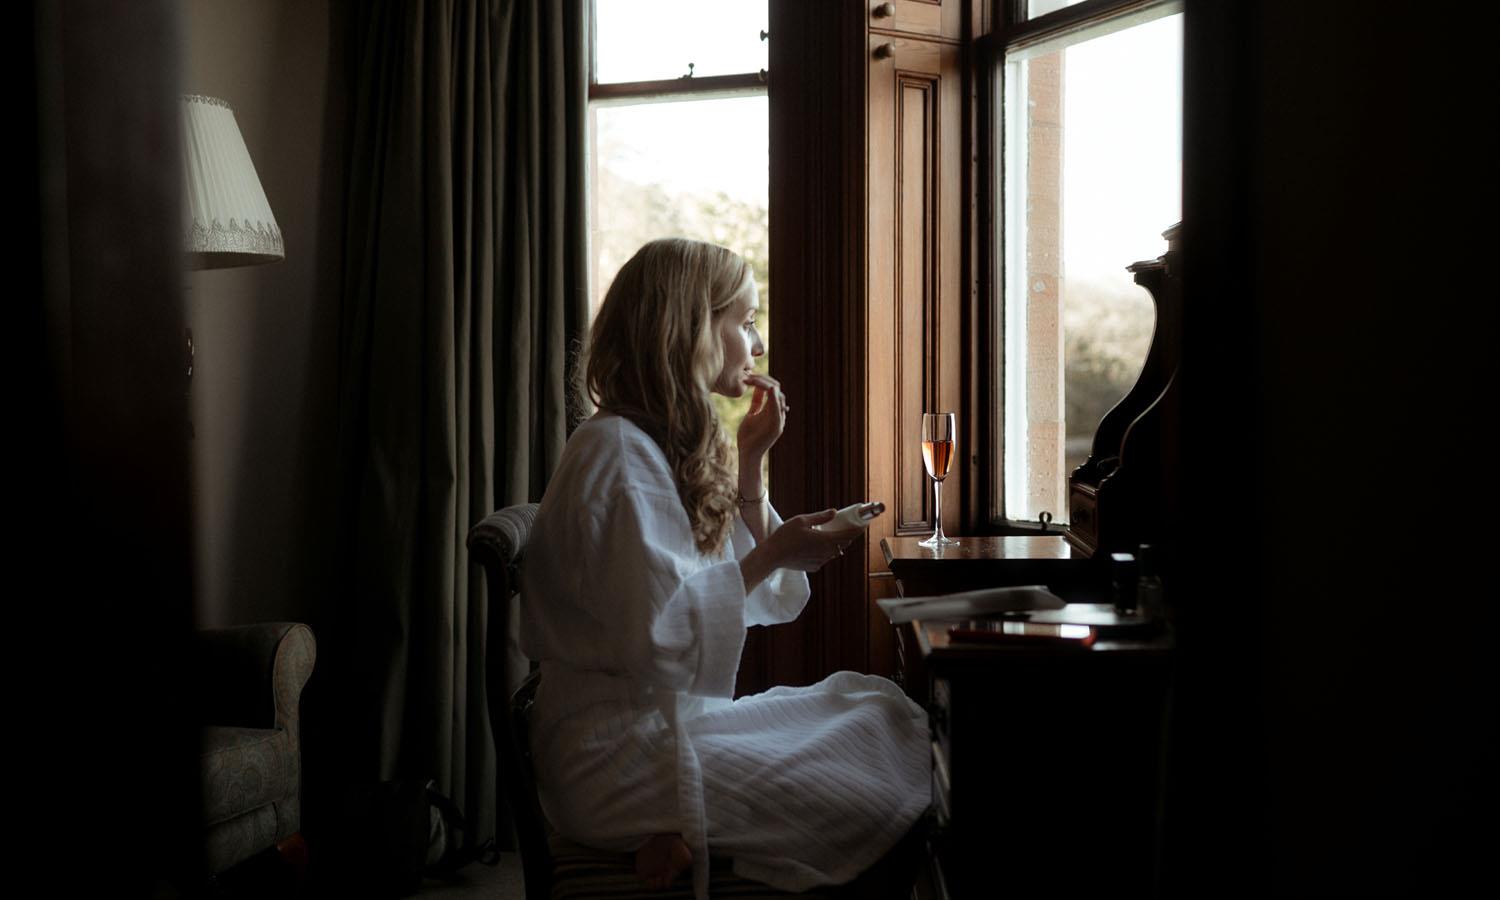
x,y
662,859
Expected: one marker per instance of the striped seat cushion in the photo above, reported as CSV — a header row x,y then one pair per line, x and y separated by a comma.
x,y
581,873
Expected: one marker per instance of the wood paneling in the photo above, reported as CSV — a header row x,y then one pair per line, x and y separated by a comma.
x,y
916,313
884,659
982,336
916,283
932,19
817,156
918,292
869,262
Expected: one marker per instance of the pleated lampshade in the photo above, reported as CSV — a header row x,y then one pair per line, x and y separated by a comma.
x,y
229,222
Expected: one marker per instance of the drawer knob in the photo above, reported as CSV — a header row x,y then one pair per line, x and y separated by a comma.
x,y
884,11
884,51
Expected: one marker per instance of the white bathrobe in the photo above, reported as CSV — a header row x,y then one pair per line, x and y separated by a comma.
x,y
634,732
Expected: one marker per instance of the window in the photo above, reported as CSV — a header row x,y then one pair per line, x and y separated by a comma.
x,y
1090,176
678,123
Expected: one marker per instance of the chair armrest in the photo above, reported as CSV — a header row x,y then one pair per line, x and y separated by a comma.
x,y
496,541
252,675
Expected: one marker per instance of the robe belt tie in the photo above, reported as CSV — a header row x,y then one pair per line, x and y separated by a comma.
x,y
689,792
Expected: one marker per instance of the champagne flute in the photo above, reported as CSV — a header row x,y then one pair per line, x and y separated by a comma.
x,y
938,433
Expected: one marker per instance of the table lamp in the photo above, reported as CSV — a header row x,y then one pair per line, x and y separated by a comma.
x,y
226,217
229,223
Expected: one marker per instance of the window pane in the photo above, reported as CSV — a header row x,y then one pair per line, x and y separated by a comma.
x,y
696,169
650,40
1093,176
1035,8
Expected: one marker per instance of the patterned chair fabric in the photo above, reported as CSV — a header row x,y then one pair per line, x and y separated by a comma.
x,y
554,867
250,680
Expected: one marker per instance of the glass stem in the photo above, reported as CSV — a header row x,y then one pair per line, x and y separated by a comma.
x,y
937,510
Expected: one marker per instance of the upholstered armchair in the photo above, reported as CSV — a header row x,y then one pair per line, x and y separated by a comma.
x,y
249,681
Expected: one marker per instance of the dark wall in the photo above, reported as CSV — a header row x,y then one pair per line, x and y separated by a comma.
x,y
98,587
101,594
265,386
264,400
1331,734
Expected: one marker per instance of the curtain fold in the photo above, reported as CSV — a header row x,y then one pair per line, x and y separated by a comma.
x,y
465,290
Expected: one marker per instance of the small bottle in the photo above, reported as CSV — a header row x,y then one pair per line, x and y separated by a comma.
x,y
1122,571
1148,587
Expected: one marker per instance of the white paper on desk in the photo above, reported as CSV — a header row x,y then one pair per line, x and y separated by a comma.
x,y
969,604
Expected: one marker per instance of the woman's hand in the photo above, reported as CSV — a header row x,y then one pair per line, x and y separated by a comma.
x,y
798,545
763,424
795,545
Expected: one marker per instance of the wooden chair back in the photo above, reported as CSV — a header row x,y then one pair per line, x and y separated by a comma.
x,y
498,543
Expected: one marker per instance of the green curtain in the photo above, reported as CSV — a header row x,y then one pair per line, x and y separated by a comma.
x,y
465,294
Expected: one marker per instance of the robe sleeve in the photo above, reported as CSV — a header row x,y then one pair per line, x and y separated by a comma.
x,y
676,626
782,596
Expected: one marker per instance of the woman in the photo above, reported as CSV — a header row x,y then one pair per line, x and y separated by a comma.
x,y
651,554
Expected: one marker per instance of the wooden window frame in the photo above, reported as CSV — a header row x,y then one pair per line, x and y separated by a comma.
x,y
1012,31
797,652
695,88
665,89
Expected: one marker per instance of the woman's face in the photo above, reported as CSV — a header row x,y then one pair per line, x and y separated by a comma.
x,y
740,341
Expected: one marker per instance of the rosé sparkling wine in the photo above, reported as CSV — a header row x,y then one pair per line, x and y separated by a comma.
x,y
937,456
939,430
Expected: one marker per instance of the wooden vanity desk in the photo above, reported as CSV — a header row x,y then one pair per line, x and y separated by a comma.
x,y
983,562
1047,758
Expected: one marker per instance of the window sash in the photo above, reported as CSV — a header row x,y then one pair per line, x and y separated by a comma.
x,y
1091,17
704,88
1018,38
1030,43
701,87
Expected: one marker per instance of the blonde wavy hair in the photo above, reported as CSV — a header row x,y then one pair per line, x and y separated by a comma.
x,y
653,355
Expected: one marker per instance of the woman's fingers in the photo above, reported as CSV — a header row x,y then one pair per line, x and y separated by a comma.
x,y
762,398
824,545
818,518
772,385
803,547
763,423
758,399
